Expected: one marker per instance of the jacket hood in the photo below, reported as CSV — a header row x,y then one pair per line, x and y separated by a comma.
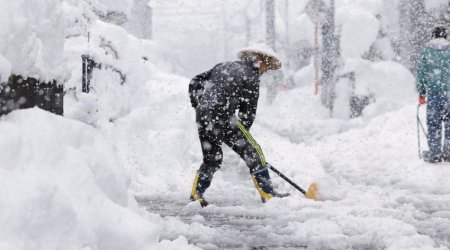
x,y
439,44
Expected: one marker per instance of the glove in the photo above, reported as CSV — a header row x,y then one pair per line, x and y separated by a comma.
x,y
422,100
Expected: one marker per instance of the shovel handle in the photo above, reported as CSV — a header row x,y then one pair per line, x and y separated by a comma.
x,y
420,126
287,179
418,131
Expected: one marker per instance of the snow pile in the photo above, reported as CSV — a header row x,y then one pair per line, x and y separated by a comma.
x,y
34,32
150,135
299,115
387,150
390,85
116,88
32,35
379,167
359,26
63,187
366,70
162,137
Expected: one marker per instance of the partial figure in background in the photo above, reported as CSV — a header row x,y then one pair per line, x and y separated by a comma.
x,y
216,95
433,84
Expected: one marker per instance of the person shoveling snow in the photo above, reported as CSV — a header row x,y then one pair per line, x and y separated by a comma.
x,y
216,95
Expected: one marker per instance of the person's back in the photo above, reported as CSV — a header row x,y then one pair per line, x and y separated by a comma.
x,y
434,67
227,85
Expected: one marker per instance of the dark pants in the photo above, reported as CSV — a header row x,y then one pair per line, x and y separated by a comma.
x,y
438,113
213,131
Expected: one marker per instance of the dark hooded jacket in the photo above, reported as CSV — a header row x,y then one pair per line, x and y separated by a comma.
x,y
227,87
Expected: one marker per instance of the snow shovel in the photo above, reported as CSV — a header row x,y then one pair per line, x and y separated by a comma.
x,y
312,190
420,125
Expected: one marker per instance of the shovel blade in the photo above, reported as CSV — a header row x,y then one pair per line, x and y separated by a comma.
x,y
312,191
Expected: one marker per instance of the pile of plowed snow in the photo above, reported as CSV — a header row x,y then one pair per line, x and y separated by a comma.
x,y
62,187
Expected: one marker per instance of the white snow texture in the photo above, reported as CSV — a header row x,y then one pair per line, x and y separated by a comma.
x,y
71,182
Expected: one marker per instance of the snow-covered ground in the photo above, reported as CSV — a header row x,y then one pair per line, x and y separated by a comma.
x,y
63,187
72,182
378,193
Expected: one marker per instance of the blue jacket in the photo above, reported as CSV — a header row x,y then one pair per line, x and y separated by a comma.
x,y
434,68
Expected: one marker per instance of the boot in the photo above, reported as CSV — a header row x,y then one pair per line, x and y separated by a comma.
x,y
201,183
446,155
430,158
263,184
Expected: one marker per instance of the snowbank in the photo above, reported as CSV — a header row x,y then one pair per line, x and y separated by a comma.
x,y
111,96
63,187
389,84
34,32
386,85
384,153
359,26
156,139
32,35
